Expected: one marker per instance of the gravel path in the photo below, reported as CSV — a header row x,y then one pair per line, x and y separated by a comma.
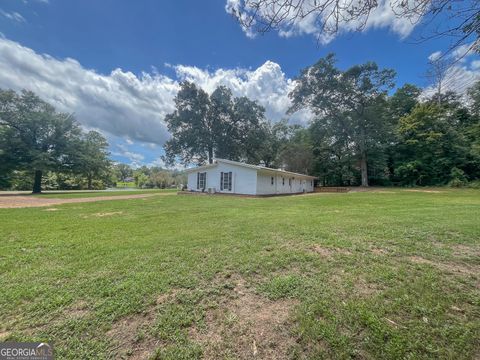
x,y
19,201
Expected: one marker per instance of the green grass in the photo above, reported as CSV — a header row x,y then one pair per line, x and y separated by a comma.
x,y
388,275
95,193
126,184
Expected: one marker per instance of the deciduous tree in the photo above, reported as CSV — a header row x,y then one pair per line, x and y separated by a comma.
x,y
35,136
350,104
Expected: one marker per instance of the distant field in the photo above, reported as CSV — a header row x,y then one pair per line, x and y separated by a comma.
x,y
386,275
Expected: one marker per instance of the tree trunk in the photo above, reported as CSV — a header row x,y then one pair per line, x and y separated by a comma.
x,y
364,169
89,185
210,155
37,182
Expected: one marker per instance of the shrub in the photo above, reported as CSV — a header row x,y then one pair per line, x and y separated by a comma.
x,y
458,178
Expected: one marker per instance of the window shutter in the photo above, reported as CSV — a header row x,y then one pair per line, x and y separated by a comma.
x,y
230,181
221,180
198,180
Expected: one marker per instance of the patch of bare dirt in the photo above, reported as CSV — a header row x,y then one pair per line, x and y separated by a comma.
x,y
108,213
379,251
52,209
425,191
453,267
4,335
77,310
131,334
246,326
18,201
364,288
466,250
328,252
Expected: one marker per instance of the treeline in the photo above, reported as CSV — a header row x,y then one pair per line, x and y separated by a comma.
x,y
40,145
362,133
41,148
146,177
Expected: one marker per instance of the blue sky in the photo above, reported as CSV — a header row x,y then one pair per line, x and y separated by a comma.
x,y
116,64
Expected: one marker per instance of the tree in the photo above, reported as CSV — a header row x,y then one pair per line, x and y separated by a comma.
x,y
403,101
93,157
35,136
350,103
250,131
205,126
458,20
123,171
472,131
437,70
296,154
432,146
271,142
193,131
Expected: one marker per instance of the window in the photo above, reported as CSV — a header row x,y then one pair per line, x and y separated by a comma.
x,y
290,182
226,181
311,182
271,182
201,180
283,181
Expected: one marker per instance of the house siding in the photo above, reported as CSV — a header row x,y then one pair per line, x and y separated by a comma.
x,y
298,184
251,181
244,180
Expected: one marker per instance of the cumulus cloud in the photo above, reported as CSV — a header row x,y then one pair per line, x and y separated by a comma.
x,y
128,105
267,84
119,103
383,16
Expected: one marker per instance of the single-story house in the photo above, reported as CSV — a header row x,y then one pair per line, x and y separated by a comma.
x,y
232,177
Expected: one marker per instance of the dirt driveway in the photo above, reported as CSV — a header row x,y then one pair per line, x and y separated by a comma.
x,y
19,201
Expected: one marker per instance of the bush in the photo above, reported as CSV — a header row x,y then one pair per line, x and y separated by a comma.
x,y
458,178
475,184
456,183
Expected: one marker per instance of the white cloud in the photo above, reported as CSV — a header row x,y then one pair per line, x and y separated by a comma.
x,y
458,78
463,70
14,16
475,64
127,105
235,7
435,56
383,16
463,51
38,1
120,103
267,84
135,159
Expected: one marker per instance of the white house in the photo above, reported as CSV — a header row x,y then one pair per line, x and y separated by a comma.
x,y
232,177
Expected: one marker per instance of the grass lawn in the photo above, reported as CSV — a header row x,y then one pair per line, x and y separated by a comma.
x,y
390,274
126,184
95,193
